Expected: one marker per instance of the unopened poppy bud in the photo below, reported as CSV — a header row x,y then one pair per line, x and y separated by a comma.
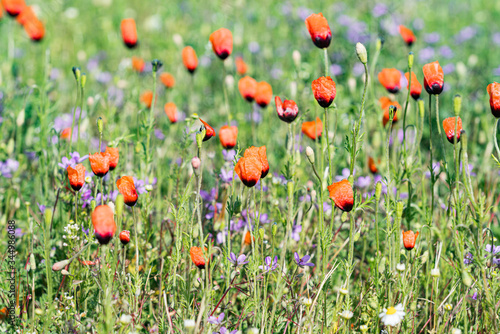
x,y
310,154
421,109
275,229
199,137
93,204
361,53
399,209
83,80
261,233
119,202
157,64
296,57
195,162
100,124
48,216
58,266
344,217
378,191
64,272
410,60
457,104
32,261
379,44
356,236
435,272
313,195
466,279
76,73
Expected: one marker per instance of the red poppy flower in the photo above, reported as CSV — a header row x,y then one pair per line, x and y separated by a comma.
x,y
222,42
247,87
386,103
263,94
313,129
167,79
66,133
129,33
341,193
209,131
249,170
228,136
4,312
76,176
147,98
126,187
13,7
261,155
1,11
407,35
99,162
390,78
241,66
197,257
319,30
113,156
372,166
35,29
138,64
409,239
189,59
171,111
104,224
324,90
433,78
449,128
248,238
287,110
124,237
494,92
26,14
416,87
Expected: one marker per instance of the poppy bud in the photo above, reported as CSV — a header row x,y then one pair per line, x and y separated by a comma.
x,y
416,87
138,64
195,163
125,237
449,128
197,257
287,110
147,98
313,129
100,125
189,59
433,78
310,154
76,176
13,7
113,156
399,209
421,109
156,65
457,104
126,187
119,205
318,28
35,29
263,94
386,104
361,53
228,136
341,193
407,35
209,131
296,57
324,91
171,111
104,224
99,162
58,266
494,92
411,58
222,43
390,78
241,66
247,87
167,79
129,33
249,238
466,279
409,239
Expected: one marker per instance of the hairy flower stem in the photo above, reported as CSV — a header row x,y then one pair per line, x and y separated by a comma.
x,y
82,96
495,138
431,160
70,141
388,196
330,170
150,127
325,53
136,226
224,88
357,125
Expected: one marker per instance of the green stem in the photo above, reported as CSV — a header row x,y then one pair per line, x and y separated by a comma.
x,y
357,126
495,138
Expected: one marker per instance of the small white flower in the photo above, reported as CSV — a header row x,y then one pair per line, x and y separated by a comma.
x,y
306,301
346,314
400,267
148,187
189,324
253,331
363,328
456,331
343,291
88,179
393,315
448,307
125,319
435,272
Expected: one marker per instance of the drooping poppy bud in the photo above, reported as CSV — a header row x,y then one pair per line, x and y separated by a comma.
x,y
249,170
259,153
324,90
126,187
241,66
313,129
104,224
287,110
407,35
35,29
189,59
449,128
433,78
222,43
66,134
13,7
494,92
342,195
197,257
209,131
129,33
147,98
113,156
416,87
125,237
263,94
249,238
372,166
138,64
228,136
390,78
99,162
386,103
409,239
318,28
167,79
247,87
171,111
76,176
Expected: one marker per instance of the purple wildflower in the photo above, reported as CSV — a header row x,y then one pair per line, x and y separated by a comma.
x,y
8,167
237,261
216,320
301,262
269,264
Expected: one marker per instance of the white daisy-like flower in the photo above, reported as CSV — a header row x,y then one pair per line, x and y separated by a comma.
x,y
448,307
435,272
392,316
400,267
456,331
363,328
346,314
344,291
